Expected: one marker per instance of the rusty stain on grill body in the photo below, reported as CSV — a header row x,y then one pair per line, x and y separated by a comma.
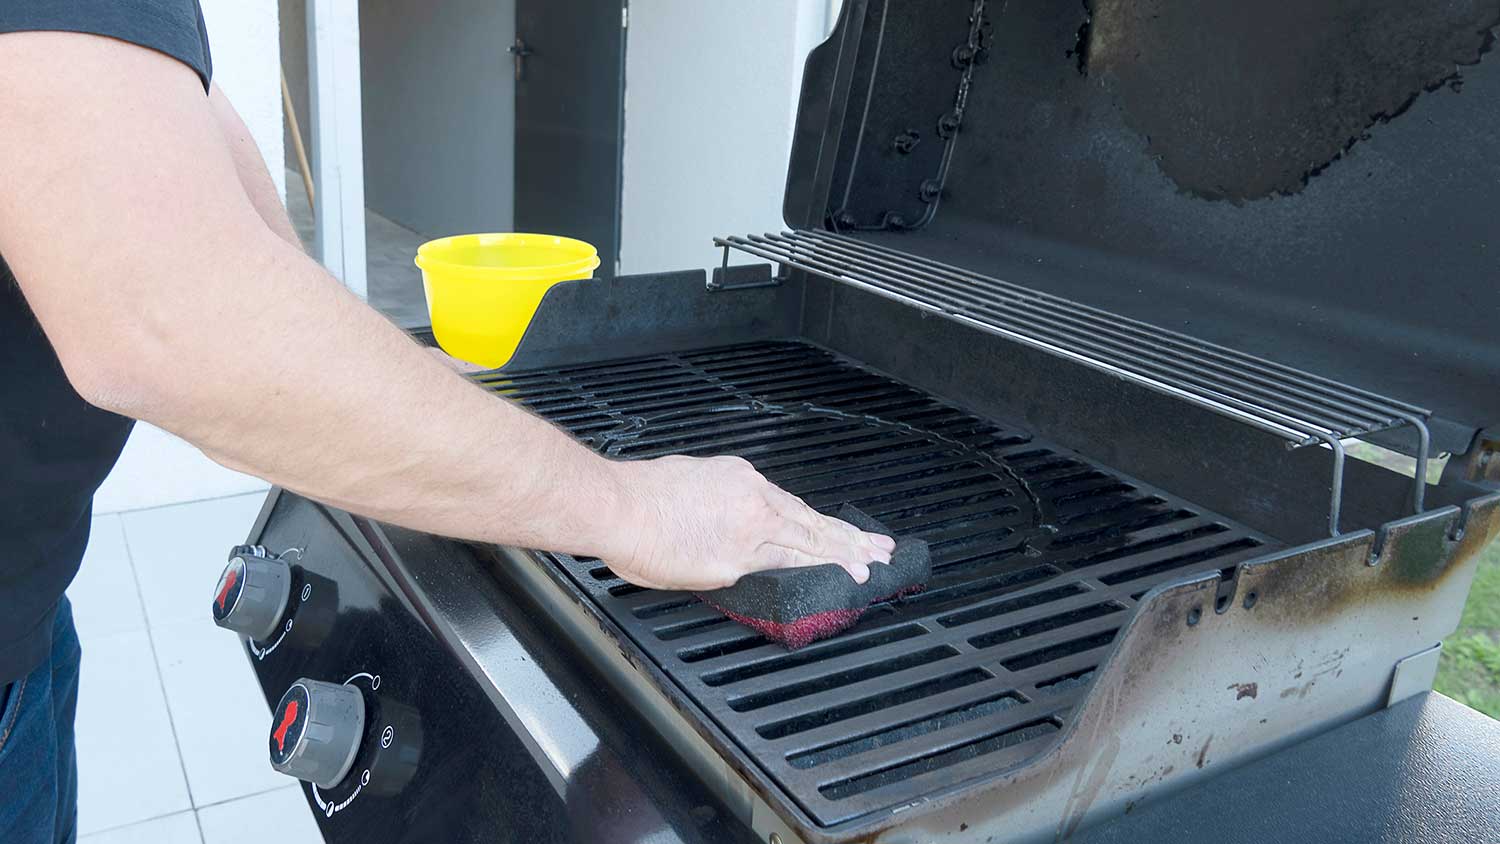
x,y
1203,751
1416,555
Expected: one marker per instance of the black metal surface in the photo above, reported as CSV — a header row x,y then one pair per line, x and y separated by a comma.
x,y
1307,182
477,775
1427,769
1038,558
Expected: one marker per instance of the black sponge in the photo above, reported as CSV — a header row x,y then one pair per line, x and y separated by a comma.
x,y
800,605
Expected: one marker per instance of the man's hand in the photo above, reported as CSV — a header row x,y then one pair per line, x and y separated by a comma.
x,y
701,524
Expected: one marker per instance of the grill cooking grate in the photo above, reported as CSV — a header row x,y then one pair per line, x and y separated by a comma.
x,y
1038,558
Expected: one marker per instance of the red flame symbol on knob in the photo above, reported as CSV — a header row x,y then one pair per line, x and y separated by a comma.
x,y
287,719
229,578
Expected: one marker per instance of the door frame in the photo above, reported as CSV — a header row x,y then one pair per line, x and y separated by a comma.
x,y
337,126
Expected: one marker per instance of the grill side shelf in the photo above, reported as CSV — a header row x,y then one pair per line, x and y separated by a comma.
x,y
1300,407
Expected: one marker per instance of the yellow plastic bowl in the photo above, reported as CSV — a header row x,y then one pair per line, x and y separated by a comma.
x,y
483,289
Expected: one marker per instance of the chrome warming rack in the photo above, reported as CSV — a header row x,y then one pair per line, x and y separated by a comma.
x,y
1302,408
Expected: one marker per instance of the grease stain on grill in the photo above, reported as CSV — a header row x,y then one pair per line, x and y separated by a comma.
x,y
1133,548
950,717
839,679
1056,652
1079,52
815,653
1123,528
1218,551
874,703
718,649
989,744
1066,682
1042,625
1014,605
1311,109
1038,557
682,629
942,592
661,608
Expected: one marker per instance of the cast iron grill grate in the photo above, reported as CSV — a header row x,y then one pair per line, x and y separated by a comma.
x,y
1038,558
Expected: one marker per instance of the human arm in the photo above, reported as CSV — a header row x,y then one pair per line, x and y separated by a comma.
x,y
250,168
169,298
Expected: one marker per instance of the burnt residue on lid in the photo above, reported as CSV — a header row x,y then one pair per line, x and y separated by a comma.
x,y
1247,100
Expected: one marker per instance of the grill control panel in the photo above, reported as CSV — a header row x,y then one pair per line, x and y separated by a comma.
x,y
392,739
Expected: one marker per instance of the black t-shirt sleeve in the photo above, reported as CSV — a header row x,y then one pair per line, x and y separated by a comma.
x,y
174,27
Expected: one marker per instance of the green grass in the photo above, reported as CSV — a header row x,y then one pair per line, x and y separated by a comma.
x,y
1470,669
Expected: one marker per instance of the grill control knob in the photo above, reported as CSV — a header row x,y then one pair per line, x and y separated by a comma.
x,y
316,731
252,595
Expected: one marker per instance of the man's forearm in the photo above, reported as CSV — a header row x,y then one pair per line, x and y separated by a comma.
x,y
414,492
389,431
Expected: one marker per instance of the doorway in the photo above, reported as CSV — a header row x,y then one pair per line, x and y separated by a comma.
x,y
462,128
568,61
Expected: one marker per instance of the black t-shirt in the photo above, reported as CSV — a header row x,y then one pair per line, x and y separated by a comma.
x,y
55,448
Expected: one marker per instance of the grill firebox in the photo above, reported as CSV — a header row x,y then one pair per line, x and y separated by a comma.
x,y
1039,556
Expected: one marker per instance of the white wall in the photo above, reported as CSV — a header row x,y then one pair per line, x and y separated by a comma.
x,y
711,87
244,40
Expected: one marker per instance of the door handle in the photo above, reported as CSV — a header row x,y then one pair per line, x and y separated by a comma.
x,y
518,52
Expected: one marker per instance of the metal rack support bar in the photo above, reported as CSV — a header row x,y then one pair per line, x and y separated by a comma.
x,y
1209,365
1299,407
1152,330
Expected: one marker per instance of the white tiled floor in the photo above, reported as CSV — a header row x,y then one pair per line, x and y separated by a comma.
x,y
276,816
128,768
171,724
176,550
181,828
158,468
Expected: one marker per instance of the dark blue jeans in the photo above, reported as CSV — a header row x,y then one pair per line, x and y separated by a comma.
x,y
38,767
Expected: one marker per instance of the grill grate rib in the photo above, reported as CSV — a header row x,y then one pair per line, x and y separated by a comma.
x,y
1038,558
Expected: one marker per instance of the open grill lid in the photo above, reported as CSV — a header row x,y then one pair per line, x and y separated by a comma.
x,y
1317,183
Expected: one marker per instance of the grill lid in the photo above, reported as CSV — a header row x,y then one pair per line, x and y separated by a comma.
x,y
1310,182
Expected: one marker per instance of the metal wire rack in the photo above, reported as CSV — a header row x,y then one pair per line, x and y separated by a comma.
x,y
1302,408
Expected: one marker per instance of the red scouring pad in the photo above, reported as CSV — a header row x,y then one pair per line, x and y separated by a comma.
x,y
800,605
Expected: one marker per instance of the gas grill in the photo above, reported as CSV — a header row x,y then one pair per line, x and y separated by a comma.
x,y
1038,556
1103,349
